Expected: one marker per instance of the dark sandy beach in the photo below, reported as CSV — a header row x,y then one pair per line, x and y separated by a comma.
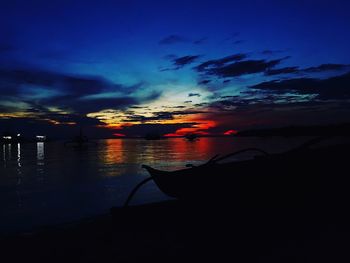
x,y
173,232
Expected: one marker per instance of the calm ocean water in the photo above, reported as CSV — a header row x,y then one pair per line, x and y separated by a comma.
x,y
48,183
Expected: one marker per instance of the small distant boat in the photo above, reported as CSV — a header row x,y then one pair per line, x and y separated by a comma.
x,y
191,137
153,136
79,141
265,178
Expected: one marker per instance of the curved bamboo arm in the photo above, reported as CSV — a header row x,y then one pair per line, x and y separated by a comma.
x,y
136,188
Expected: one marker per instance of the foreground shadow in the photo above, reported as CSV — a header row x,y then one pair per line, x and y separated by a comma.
x,y
290,207
304,176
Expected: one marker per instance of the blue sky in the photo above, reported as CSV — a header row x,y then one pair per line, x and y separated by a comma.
x,y
132,67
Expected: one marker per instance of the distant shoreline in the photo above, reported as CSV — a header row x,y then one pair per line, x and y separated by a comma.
x,y
340,129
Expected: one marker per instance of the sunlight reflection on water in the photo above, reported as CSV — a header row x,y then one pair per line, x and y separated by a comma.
x,y
48,183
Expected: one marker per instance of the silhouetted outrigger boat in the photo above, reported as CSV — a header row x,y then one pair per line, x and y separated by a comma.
x,y
291,177
191,137
79,141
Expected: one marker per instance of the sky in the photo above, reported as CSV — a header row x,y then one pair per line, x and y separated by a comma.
x,y
131,67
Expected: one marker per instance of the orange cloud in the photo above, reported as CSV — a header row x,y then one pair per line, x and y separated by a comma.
x,y
201,126
230,132
119,134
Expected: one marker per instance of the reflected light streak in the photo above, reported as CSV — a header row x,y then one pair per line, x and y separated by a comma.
x,y
114,152
9,146
19,155
40,154
113,157
4,152
19,172
191,150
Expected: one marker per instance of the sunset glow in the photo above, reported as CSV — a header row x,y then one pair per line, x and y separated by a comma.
x,y
128,74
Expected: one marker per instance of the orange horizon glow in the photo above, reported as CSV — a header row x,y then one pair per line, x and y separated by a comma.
x,y
200,125
200,128
183,133
171,135
119,134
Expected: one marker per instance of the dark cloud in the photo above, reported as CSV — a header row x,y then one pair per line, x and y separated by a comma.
x,y
179,107
204,81
327,67
160,116
6,109
173,39
180,62
185,60
302,85
84,106
157,117
219,62
74,85
44,113
236,65
332,88
36,108
138,107
194,95
151,96
161,129
317,69
168,69
200,104
225,97
81,94
271,52
187,112
242,68
286,70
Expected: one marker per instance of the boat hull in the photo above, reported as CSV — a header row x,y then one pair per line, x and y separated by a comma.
x,y
316,175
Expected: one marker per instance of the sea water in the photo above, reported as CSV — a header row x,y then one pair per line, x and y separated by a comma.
x,y
48,183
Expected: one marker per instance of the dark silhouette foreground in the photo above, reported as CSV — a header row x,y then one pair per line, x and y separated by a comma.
x,y
295,220
177,232
304,176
